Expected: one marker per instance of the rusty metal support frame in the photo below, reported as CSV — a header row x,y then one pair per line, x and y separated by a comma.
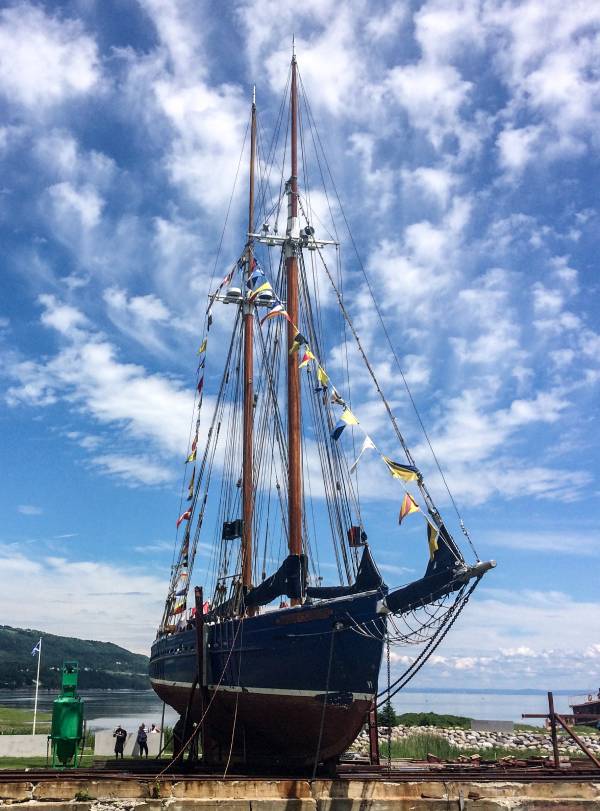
x,y
554,717
373,735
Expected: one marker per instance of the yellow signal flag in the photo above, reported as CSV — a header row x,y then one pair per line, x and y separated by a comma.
x,y
348,417
322,377
203,346
432,540
265,287
406,472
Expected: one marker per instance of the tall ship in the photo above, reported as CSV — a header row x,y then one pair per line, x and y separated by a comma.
x,y
267,661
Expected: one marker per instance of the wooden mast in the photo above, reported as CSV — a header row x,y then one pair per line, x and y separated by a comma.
x,y
293,376
248,318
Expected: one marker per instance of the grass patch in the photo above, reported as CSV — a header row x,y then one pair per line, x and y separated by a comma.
x,y
433,719
18,721
40,762
419,745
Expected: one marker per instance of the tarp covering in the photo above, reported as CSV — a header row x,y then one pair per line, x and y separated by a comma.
x,y
367,579
288,580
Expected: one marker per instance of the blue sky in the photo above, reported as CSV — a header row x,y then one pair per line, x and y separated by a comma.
x,y
463,137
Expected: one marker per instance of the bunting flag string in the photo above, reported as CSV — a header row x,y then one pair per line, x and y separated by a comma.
x,y
346,418
409,505
276,309
407,473
322,377
306,359
265,287
192,456
202,348
191,486
184,517
367,444
201,384
299,340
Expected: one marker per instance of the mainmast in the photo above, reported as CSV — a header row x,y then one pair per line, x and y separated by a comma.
x,y
293,375
248,319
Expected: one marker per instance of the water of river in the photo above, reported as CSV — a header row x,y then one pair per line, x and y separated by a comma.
x,y
104,709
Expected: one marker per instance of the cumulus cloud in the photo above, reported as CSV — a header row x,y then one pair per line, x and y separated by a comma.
x,y
45,59
86,374
108,598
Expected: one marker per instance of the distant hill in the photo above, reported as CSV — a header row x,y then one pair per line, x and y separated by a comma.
x,y
101,664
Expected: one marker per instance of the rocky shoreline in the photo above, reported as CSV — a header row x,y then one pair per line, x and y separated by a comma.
x,y
528,742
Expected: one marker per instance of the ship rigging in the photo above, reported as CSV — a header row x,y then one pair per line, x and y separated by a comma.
x,y
269,486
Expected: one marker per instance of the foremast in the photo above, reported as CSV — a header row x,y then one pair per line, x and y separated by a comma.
x,y
293,374
248,419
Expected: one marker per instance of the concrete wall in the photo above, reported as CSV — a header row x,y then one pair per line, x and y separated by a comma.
x,y
104,744
492,726
23,745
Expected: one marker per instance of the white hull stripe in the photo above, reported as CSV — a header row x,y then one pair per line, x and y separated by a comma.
x,y
260,690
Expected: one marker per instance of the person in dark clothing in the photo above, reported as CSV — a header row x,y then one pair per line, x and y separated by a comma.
x,y
142,740
120,736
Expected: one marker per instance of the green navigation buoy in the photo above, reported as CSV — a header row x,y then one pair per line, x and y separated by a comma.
x,y
68,729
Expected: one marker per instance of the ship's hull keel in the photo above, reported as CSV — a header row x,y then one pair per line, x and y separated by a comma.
x,y
245,726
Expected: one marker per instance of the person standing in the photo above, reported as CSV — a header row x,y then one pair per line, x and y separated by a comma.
x,y
142,740
120,736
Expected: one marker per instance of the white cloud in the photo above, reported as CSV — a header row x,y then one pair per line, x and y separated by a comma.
x,y
141,317
45,60
88,375
433,95
134,470
61,317
29,509
115,603
83,202
575,540
518,146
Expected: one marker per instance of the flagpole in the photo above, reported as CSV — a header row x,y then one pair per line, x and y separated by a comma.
x,y
37,685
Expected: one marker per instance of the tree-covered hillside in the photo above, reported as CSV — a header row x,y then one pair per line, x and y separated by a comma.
x,y
101,664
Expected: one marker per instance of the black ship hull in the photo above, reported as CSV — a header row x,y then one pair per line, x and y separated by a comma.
x,y
290,686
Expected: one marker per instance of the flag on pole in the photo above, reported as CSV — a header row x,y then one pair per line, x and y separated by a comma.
x,y
202,347
432,540
201,384
37,648
184,517
406,472
367,444
409,505
347,418
179,609
306,359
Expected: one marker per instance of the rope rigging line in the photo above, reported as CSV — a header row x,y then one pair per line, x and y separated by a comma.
x,y
435,513
434,642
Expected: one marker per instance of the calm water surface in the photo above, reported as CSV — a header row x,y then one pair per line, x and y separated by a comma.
x,y
104,709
